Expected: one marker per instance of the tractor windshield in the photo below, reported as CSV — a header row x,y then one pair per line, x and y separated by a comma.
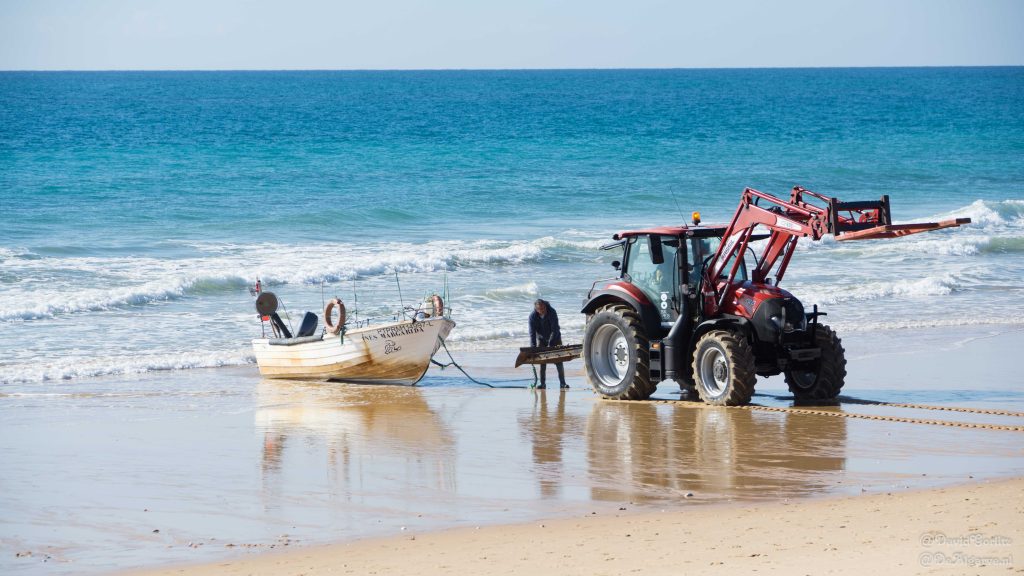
x,y
701,249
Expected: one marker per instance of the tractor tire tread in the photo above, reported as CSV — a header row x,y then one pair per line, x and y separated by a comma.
x,y
832,375
640,387
743,375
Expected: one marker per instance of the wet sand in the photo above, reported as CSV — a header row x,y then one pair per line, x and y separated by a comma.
x,y
972,529
209,465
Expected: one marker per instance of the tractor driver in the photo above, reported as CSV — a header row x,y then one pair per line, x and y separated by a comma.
x,y
657,281
544,330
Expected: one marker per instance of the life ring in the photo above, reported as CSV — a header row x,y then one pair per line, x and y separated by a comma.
x,y
438,306
328,312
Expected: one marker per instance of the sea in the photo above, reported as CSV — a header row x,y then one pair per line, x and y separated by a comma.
x,y
138,208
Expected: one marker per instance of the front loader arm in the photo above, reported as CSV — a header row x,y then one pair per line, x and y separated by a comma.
x,y
789,221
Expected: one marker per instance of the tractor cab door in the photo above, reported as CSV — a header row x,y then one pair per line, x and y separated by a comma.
x,y
653,265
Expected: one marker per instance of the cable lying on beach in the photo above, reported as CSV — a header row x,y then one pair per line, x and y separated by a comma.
x,y
452,362
902,419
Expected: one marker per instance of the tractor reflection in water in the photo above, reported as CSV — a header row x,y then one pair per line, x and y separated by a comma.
x,y
648,452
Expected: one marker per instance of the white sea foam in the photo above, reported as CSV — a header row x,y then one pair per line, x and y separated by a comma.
x,y
907,324
68,368
50,303
849,292
54,286
507,329
518,292
988,213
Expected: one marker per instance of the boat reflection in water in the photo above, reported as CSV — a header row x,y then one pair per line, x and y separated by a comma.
x,y
350,441
642,451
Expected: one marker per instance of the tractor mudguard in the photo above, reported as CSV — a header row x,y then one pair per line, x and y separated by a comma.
x,y
648,313
727,322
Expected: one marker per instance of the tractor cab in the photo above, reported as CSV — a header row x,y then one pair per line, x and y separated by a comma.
x,y
666,266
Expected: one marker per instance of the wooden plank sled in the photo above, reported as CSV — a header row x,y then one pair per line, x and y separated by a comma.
x,y
549,354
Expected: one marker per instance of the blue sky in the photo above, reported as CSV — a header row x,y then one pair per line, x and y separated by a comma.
x,y
418,34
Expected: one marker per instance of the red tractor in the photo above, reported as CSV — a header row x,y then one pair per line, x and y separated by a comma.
x,y
698,305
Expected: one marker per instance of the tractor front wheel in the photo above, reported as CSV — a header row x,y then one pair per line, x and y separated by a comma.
x,y
823,379
723,368
616,356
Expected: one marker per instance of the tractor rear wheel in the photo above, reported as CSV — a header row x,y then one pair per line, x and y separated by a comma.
x,y
823,379
723,366
616,356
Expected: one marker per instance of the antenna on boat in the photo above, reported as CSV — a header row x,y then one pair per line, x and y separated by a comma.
x,y
355,302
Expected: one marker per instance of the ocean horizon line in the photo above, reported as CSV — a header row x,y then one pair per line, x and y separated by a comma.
x,y
512,69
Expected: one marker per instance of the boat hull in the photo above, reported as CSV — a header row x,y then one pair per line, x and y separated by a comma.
x,y
396,353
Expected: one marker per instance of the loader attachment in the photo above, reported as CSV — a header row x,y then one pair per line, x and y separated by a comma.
x,y
868,219
548,354
806,214
897,230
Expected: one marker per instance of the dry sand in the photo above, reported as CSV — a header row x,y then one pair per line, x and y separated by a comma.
x,y
968,529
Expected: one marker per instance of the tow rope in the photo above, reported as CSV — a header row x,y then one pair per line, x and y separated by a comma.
x,y
452,362
877,417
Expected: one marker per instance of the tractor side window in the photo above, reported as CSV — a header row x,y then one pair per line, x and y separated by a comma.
x,y
656,280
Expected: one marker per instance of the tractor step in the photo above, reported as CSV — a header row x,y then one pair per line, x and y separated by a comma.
x,y
549,354
897,230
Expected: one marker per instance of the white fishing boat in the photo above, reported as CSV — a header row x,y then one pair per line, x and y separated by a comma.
x,y
396,352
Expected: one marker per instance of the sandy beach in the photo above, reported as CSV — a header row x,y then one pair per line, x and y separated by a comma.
x,y
967,529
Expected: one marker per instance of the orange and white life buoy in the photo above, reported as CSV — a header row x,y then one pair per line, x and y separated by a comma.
x,y
438,305
329,312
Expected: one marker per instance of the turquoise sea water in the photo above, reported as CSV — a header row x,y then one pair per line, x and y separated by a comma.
x,y
135,208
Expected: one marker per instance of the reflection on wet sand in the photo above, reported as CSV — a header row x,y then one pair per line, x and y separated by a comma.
x,y
641,452
547,430
366,433
645,452
370,436
446,451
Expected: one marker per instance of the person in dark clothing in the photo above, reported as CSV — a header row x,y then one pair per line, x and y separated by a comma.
x,y
544,331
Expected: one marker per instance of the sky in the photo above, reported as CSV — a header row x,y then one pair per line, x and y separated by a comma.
x,y
486,34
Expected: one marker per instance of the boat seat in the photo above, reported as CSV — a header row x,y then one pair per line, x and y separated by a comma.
x,y
308,326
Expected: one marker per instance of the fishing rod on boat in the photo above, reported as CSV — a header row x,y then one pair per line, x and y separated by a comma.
x,y
399,284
